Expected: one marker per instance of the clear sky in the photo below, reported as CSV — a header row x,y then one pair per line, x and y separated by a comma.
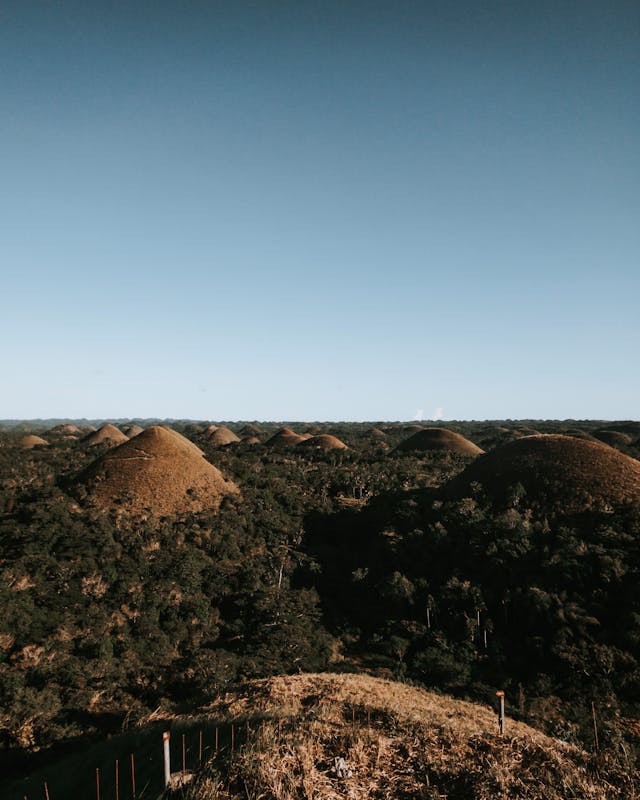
x,y
320,210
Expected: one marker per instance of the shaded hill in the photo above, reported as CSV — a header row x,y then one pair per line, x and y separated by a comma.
x,y
106,434
324,441
438,439
554,469
612,437
157,473
132,430
250,430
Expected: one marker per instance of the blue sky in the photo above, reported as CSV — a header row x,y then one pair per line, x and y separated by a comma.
x,y
320,210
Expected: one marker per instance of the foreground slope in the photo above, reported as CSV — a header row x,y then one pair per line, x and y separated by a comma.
x,y
157,473
396,741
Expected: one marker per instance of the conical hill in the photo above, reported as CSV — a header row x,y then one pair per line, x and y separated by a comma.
x,y
323,441
132,430
157,473
108,434
30,441
285,437
220,437
439,439
555,470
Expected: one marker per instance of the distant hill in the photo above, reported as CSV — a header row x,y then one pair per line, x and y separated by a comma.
x,y
107,434
323,441
220,437
285,437
438,439
30,441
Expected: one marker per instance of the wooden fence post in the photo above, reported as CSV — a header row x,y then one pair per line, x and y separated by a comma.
x,y
200,749
133,777
97,783
166,736
500,694
184,755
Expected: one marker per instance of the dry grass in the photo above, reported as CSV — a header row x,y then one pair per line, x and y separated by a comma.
x,y
398,742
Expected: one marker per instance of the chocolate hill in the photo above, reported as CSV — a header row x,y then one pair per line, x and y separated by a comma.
x,y
107,434
157,473
132,430
613,437
65,427
558,471
439,439
354,736
324,441
220,437
30,441
250,430
285,437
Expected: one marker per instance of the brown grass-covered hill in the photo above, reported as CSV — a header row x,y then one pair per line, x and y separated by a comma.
x,y
285,437
396,741
30,441
555,470
132,430
157,473
614,438
221,437
324,441
439,439
250,430
65,428
107,434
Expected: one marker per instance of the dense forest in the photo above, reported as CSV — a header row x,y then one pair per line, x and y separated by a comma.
x,y
372,559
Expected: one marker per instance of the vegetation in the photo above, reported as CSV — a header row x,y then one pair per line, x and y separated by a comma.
x,y
350,560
